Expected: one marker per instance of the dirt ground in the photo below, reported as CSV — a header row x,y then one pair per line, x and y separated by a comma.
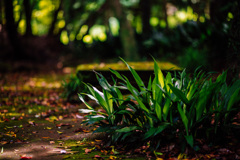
x,y
35,119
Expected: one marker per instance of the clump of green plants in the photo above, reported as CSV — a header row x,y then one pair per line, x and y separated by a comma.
x,y
73,85
176,108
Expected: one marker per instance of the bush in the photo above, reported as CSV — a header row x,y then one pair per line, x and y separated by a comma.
x,y
175,106
72,86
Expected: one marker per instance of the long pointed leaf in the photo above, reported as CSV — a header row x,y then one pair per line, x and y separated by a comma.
x,y
82,99
127,129
184,118
158,111
189,140
166,108
158,74
136,76
179,94
155,131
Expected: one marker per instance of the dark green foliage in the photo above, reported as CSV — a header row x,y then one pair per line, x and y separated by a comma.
x,y
183,106
73,85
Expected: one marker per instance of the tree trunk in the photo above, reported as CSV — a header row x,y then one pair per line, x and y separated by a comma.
x,y
28,14
146,13
218,11
164,4
1,14
12,30
126,32
1,24
234,41
52,27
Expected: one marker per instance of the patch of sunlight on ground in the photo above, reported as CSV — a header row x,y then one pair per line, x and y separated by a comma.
x,y
40,81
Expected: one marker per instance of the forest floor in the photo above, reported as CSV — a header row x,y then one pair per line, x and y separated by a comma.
x,y
36,122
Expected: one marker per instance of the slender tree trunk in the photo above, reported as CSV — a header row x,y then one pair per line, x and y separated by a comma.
x,y
146,13
126,32
217,13
12,30
1,13
28,14
52,27
1,24
164,4
234,41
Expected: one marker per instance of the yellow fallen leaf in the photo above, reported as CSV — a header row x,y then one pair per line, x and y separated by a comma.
x,y
113,157
45,137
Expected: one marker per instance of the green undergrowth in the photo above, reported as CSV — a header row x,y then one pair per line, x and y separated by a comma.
x,y
177,108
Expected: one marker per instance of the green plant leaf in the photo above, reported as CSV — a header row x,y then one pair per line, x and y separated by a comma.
x,y
179,94
189,140
234,98
158,111
118,75
184,117
166,108
136,76
149,84
201,104
81,98
158,74
127,129
95,120
109,101
168,80
222,78
135,94
86,110
191,92
155,131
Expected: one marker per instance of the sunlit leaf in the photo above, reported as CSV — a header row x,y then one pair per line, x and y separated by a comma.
x,y
127,129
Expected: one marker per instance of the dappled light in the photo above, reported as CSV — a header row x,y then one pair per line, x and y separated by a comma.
x,y
119,79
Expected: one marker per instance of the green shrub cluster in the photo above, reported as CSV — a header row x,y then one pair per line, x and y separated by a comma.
x,y
72,85
175,107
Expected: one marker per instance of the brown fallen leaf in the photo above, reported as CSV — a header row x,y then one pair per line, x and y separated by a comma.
x,y
97,156
63,124
24,157
87,151
79,130
46,137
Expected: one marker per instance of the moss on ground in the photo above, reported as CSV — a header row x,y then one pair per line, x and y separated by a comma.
x,y
122,67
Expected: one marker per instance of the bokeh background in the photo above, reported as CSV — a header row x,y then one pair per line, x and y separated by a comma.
x,y
58,33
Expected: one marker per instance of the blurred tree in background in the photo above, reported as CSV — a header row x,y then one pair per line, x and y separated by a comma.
x,y
188,32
